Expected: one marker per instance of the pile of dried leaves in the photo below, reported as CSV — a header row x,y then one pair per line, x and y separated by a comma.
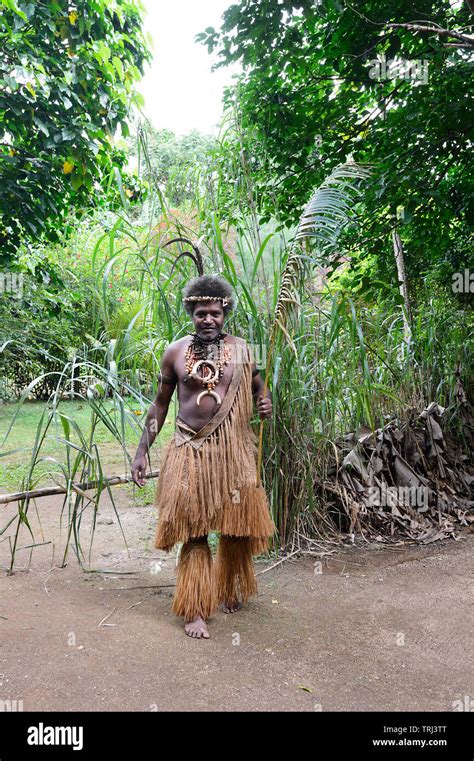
x,y
408,479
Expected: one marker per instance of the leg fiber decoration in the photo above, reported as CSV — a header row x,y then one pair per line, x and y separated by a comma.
x,y
233,570
195,594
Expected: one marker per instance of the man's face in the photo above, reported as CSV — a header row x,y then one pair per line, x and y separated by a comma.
x,y
208,319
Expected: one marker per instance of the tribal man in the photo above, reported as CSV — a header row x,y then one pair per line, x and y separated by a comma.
x,y
208,476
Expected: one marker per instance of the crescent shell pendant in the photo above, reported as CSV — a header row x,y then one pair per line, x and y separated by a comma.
x,y
209,393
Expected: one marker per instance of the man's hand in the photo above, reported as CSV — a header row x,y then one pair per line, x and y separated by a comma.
x,y
264,407
139,470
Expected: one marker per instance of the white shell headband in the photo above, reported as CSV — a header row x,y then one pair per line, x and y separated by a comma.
x,y
224,299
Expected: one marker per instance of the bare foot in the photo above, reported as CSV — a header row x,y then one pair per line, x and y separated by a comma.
x,y
197,628
231,607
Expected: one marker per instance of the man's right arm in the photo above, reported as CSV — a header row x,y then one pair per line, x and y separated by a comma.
x,y
156,415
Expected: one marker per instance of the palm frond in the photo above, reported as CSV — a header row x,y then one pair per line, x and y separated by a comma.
x,y
330,208
328,212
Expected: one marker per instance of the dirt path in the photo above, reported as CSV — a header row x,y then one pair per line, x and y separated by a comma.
x,y
376,629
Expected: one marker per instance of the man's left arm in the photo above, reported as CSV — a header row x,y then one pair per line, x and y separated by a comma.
x,y
264,405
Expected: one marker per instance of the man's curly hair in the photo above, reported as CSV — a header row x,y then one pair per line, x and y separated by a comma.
x,y
208,285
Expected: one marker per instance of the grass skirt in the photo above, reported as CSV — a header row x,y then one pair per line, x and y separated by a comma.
x,y
212,486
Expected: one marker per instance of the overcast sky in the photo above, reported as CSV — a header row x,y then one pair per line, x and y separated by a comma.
x,y
180,91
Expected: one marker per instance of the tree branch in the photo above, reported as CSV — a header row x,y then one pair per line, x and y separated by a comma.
x,y
468,41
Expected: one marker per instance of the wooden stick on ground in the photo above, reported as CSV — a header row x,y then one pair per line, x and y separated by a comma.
x,y
51,490
287,557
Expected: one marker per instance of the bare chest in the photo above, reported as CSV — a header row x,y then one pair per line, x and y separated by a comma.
x,y
195,407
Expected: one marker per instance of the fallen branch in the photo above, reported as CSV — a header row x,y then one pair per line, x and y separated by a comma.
x,y
287,557
51,490
148,586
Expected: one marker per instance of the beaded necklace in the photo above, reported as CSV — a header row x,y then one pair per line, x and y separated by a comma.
x,y
209,358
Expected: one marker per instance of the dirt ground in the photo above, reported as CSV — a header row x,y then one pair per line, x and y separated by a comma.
x,y
369,628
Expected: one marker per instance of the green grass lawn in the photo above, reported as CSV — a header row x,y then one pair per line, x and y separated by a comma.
x,y
16,452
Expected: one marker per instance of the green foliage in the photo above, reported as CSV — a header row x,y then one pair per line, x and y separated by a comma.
x,y
80,459
67,74
312,95
43,329
14,467
175,164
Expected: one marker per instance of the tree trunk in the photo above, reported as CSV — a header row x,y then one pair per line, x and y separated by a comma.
x,y
400,262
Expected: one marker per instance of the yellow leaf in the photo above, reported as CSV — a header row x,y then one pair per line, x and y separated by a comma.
x,y
12,151
73,17
306,689
31,89
128,192
67,167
